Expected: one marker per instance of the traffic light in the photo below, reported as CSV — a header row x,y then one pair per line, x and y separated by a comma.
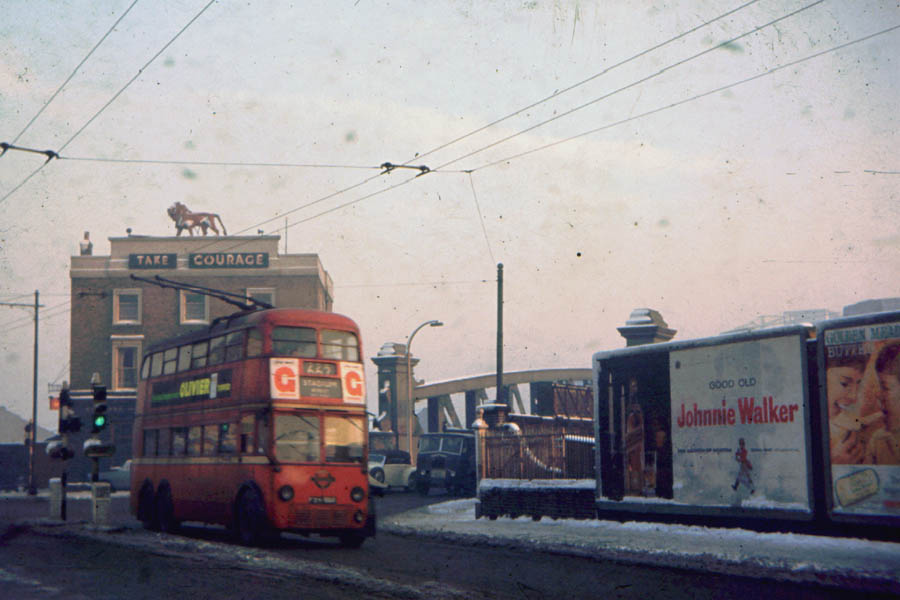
x,y
28,427
68,422
100,419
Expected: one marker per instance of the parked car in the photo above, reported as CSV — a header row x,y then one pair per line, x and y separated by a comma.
x,y
391,469
118,478
447,460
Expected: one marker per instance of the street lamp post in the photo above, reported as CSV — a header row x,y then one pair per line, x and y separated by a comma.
x,y
409,380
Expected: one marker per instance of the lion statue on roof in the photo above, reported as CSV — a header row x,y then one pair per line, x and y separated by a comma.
x,y
185,219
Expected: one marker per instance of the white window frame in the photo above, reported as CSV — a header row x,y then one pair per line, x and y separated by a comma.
x,y
251,292
140,306
126,341
182,309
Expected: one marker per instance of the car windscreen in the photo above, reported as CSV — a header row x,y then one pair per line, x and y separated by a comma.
x,y
429,444
452,445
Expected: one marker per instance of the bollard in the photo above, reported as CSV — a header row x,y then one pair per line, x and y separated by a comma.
x,y
56,498
100,499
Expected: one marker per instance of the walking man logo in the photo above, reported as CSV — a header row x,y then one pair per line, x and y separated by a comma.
x,y
743,476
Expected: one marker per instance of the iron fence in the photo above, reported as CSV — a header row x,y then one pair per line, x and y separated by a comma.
x,y
510,455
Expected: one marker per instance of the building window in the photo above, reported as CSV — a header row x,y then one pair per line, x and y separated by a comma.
x,y
266,295
126,355
127,307
194,308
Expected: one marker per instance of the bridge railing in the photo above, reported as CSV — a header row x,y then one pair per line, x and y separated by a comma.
x,y
510,455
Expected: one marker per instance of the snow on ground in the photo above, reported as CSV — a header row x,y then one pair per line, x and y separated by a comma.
x,y
860,563
844,562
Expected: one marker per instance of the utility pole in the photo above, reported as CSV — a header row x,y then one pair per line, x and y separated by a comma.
x,y
500,395
32,489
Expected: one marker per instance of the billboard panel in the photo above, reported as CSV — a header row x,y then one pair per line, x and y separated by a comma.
x,y
862,390
739,435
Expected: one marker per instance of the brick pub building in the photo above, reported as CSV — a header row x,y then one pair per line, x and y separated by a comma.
x,y
115,317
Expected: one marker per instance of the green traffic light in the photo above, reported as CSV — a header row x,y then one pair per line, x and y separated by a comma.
x,y
99,421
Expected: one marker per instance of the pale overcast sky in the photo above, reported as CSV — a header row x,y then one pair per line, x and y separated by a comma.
x,y
681,183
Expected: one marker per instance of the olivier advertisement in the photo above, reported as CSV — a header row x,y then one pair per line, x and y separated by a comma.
x,y
738,424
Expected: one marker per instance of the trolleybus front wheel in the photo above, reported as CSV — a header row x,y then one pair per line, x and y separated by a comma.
x,y
352,540
250,524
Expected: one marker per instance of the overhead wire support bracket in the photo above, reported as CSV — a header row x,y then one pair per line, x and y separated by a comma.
x,y
388,167
50,154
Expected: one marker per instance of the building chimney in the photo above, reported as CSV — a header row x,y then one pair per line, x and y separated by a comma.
x,y
645,326
87,247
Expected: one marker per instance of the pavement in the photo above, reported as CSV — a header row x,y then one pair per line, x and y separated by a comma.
x,y
845,563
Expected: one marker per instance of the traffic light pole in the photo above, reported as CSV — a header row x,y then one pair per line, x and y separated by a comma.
x,y
62,511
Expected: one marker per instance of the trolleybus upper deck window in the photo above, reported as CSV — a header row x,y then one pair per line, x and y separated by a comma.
x,y
254,342
217,350
294,341
340,345
184,357
157,364
170,358
234,346
198,355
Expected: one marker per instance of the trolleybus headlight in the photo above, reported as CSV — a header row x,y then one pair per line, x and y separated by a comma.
x,y
286,493
358,516
357,494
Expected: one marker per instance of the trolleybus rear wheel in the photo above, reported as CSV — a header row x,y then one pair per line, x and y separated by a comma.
x,y
165,511
146,512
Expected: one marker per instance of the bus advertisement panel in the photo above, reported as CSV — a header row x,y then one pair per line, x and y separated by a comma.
x,y
862,388
739,435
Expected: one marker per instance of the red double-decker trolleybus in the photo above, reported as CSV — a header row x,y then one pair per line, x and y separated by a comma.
x,y
257,423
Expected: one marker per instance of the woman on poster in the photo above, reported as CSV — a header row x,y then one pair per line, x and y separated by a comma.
x,y
881,395
843,381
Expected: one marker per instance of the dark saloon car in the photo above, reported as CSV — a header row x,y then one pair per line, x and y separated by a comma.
x,y
447,460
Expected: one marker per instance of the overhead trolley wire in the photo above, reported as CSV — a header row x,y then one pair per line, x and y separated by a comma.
x,y
72,74
114,97
629,119
212,163
136,75
559,93
424,170
631,85
691,99
683,61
